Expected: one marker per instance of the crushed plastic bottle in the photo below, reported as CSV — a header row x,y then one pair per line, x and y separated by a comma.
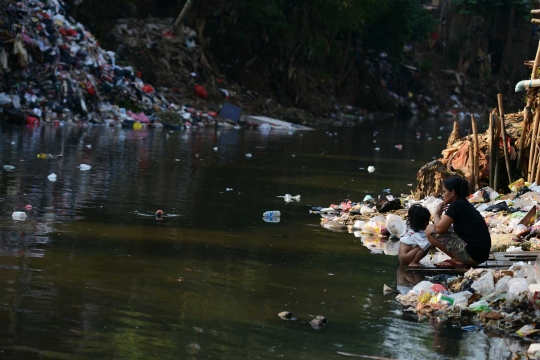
x,y
19,215
272,219
274,213
289,198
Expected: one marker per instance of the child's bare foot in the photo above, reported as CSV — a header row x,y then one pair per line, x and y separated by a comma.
x,y
415,264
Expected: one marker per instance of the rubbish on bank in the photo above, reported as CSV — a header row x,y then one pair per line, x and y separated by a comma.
x,y
52,177
19,215
371,169
396,225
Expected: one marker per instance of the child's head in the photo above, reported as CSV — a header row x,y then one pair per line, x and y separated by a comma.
x,y
418,217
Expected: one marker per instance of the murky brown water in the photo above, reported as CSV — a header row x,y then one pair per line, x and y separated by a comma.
x,y
92,274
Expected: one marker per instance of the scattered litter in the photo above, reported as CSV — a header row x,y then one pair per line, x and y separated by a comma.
x,y
248,155
371,169
52,177
85,167
28,207
228,189
19,215
8,167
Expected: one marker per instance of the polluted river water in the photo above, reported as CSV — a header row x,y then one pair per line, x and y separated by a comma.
x,y
91,273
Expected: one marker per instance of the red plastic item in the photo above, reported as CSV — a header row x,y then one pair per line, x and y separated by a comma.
x,y
90,88
32,121
28,207
148,89
201,91
438,288
213,114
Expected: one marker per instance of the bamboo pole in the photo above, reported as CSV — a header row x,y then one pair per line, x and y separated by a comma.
x,y
534,71
532,162
183,13
491,169
470,161
503,134
535,11
524,131
535,21
495,151
476,152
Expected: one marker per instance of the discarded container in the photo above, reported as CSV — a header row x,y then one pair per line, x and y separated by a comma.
x,y
359,224
272,219
275,213
248,155
366,210
371,169
52,177
396,225
8,167
84,167
28,207
19,215
485,285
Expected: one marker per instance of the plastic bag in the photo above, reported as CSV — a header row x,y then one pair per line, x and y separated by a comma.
x,y
431,204
461,299
358,224
485,285
516,287
366,210
520,229
375,225
481,305
396,225
517,185
526,272
501,286
537,269
534,295
421,286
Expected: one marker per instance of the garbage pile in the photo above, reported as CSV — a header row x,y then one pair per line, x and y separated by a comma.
x,y
54,70
512,219
502,302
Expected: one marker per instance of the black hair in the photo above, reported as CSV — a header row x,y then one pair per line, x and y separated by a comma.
x,y
457,184
418,217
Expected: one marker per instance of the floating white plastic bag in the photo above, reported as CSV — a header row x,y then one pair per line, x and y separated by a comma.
x,y
485,284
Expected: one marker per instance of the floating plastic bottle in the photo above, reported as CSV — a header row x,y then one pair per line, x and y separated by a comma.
x,y
275,213
8,167
84,167
371,169
52,177
19,215
272,219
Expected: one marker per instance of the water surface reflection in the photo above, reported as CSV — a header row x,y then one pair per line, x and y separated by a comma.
x,y
90,274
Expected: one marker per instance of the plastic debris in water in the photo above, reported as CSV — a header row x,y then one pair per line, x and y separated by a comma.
x,y
371,169
248,155
159,215
228,189
377,149
289,198
399,146
216,148
84,167
8,167
28,207
52,177
19,215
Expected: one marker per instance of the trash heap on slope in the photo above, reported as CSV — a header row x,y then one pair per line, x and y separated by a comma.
x,y
54,70
500,301
512,219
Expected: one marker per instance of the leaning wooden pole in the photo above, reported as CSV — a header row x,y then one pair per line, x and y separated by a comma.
x,y
524,131
182,14
503,135
491,168
532,158
495,151
476,152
